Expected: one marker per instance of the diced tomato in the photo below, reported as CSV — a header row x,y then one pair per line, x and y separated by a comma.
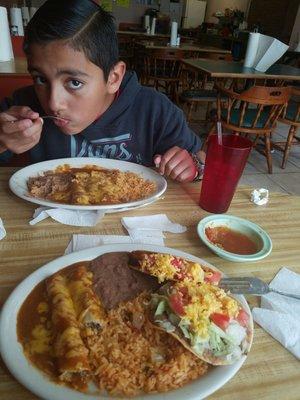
x,y
176,262
185,295
221,320
242,318
176,303
213,277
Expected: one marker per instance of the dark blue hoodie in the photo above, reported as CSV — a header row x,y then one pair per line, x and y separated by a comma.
x,y
140,123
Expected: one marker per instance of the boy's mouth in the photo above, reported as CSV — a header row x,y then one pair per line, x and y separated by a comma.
x,y
61,122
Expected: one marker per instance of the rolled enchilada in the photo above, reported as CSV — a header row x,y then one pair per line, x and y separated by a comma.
x,y
89,311
69,350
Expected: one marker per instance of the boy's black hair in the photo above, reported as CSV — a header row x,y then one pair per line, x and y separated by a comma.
x,y
83,24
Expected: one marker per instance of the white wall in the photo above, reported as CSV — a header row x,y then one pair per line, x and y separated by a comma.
x,y
220,5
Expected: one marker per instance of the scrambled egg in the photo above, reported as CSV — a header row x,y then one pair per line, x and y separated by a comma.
x,y
204,300
167,267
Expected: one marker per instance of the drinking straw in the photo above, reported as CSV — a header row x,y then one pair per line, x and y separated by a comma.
x,y
219,130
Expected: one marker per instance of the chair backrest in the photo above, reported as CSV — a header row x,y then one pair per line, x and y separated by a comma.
x,y
163,63
291,112
127,26
255,109
10,83
17,45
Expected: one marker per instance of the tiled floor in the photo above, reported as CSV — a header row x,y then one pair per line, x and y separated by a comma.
x,y
282,180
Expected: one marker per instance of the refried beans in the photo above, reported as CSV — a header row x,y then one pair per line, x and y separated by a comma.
x,y
114,281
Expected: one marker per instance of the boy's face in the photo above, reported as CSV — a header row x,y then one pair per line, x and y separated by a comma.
x,y
70,86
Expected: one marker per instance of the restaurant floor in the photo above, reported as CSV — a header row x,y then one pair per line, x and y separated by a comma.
x,y
255,174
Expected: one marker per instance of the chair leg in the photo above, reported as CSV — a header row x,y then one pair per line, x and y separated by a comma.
x,y
288,144
190,109
268,153
208,108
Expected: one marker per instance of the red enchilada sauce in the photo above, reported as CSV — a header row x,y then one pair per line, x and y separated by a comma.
x,y
230,240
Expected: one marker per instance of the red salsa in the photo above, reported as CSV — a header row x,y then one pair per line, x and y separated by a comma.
x,y
230,240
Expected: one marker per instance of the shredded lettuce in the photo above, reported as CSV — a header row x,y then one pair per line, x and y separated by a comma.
x,y
161,308
185,331
220,343
166,325
198,348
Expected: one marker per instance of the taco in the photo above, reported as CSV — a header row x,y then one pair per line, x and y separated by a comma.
x,y
166,267
207,321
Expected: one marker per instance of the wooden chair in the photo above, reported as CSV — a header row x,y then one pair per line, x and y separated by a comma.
x,y
197,89
17,45
162,69
291,117
253,112
8,84
126,50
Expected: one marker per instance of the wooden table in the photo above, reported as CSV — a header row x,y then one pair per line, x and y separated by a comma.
x,y
148,44
270,371
16,67
232,69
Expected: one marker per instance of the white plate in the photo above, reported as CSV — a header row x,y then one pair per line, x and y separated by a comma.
x,y
18,181
37,382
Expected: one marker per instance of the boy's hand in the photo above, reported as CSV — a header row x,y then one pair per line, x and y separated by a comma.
x,y
20,129
177,164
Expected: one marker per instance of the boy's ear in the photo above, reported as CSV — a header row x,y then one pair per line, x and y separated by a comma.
x,y
115,77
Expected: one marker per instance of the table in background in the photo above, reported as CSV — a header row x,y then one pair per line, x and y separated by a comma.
x,y
148,45
270,371
232,69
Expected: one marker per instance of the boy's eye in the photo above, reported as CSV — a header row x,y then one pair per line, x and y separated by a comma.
x,y
74,84
39,80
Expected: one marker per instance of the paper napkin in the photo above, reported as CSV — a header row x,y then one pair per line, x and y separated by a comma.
x,y
68,217
280,315
2,230
81,242
260,197
150,225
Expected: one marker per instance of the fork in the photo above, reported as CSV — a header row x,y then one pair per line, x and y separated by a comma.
x,y
51,117
249,285
46,116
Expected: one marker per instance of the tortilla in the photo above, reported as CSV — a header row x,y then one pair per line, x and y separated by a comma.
x,y
70,352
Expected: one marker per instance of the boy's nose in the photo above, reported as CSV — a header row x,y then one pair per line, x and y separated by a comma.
x,y
56,100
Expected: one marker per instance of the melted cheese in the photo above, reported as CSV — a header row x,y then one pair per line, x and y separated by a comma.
x,y
41,340
206,299
164,267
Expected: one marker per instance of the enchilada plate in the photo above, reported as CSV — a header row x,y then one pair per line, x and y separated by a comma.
x,y
18,182
38,383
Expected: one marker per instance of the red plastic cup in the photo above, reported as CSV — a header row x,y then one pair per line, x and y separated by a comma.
x,y
224,166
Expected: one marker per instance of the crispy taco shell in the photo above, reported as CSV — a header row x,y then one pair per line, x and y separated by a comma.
x,y
207,354
166,267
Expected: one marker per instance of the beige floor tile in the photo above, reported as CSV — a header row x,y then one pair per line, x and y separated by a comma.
x,y
261,181
290,182
260,163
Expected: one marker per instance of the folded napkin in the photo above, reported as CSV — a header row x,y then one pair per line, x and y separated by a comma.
x,y
150,225
2,230
280,315
68,217
81,242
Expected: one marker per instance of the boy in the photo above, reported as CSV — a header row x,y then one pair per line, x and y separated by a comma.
x,y
72,53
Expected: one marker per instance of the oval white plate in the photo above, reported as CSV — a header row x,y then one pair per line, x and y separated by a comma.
x,y
37,382
18,181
